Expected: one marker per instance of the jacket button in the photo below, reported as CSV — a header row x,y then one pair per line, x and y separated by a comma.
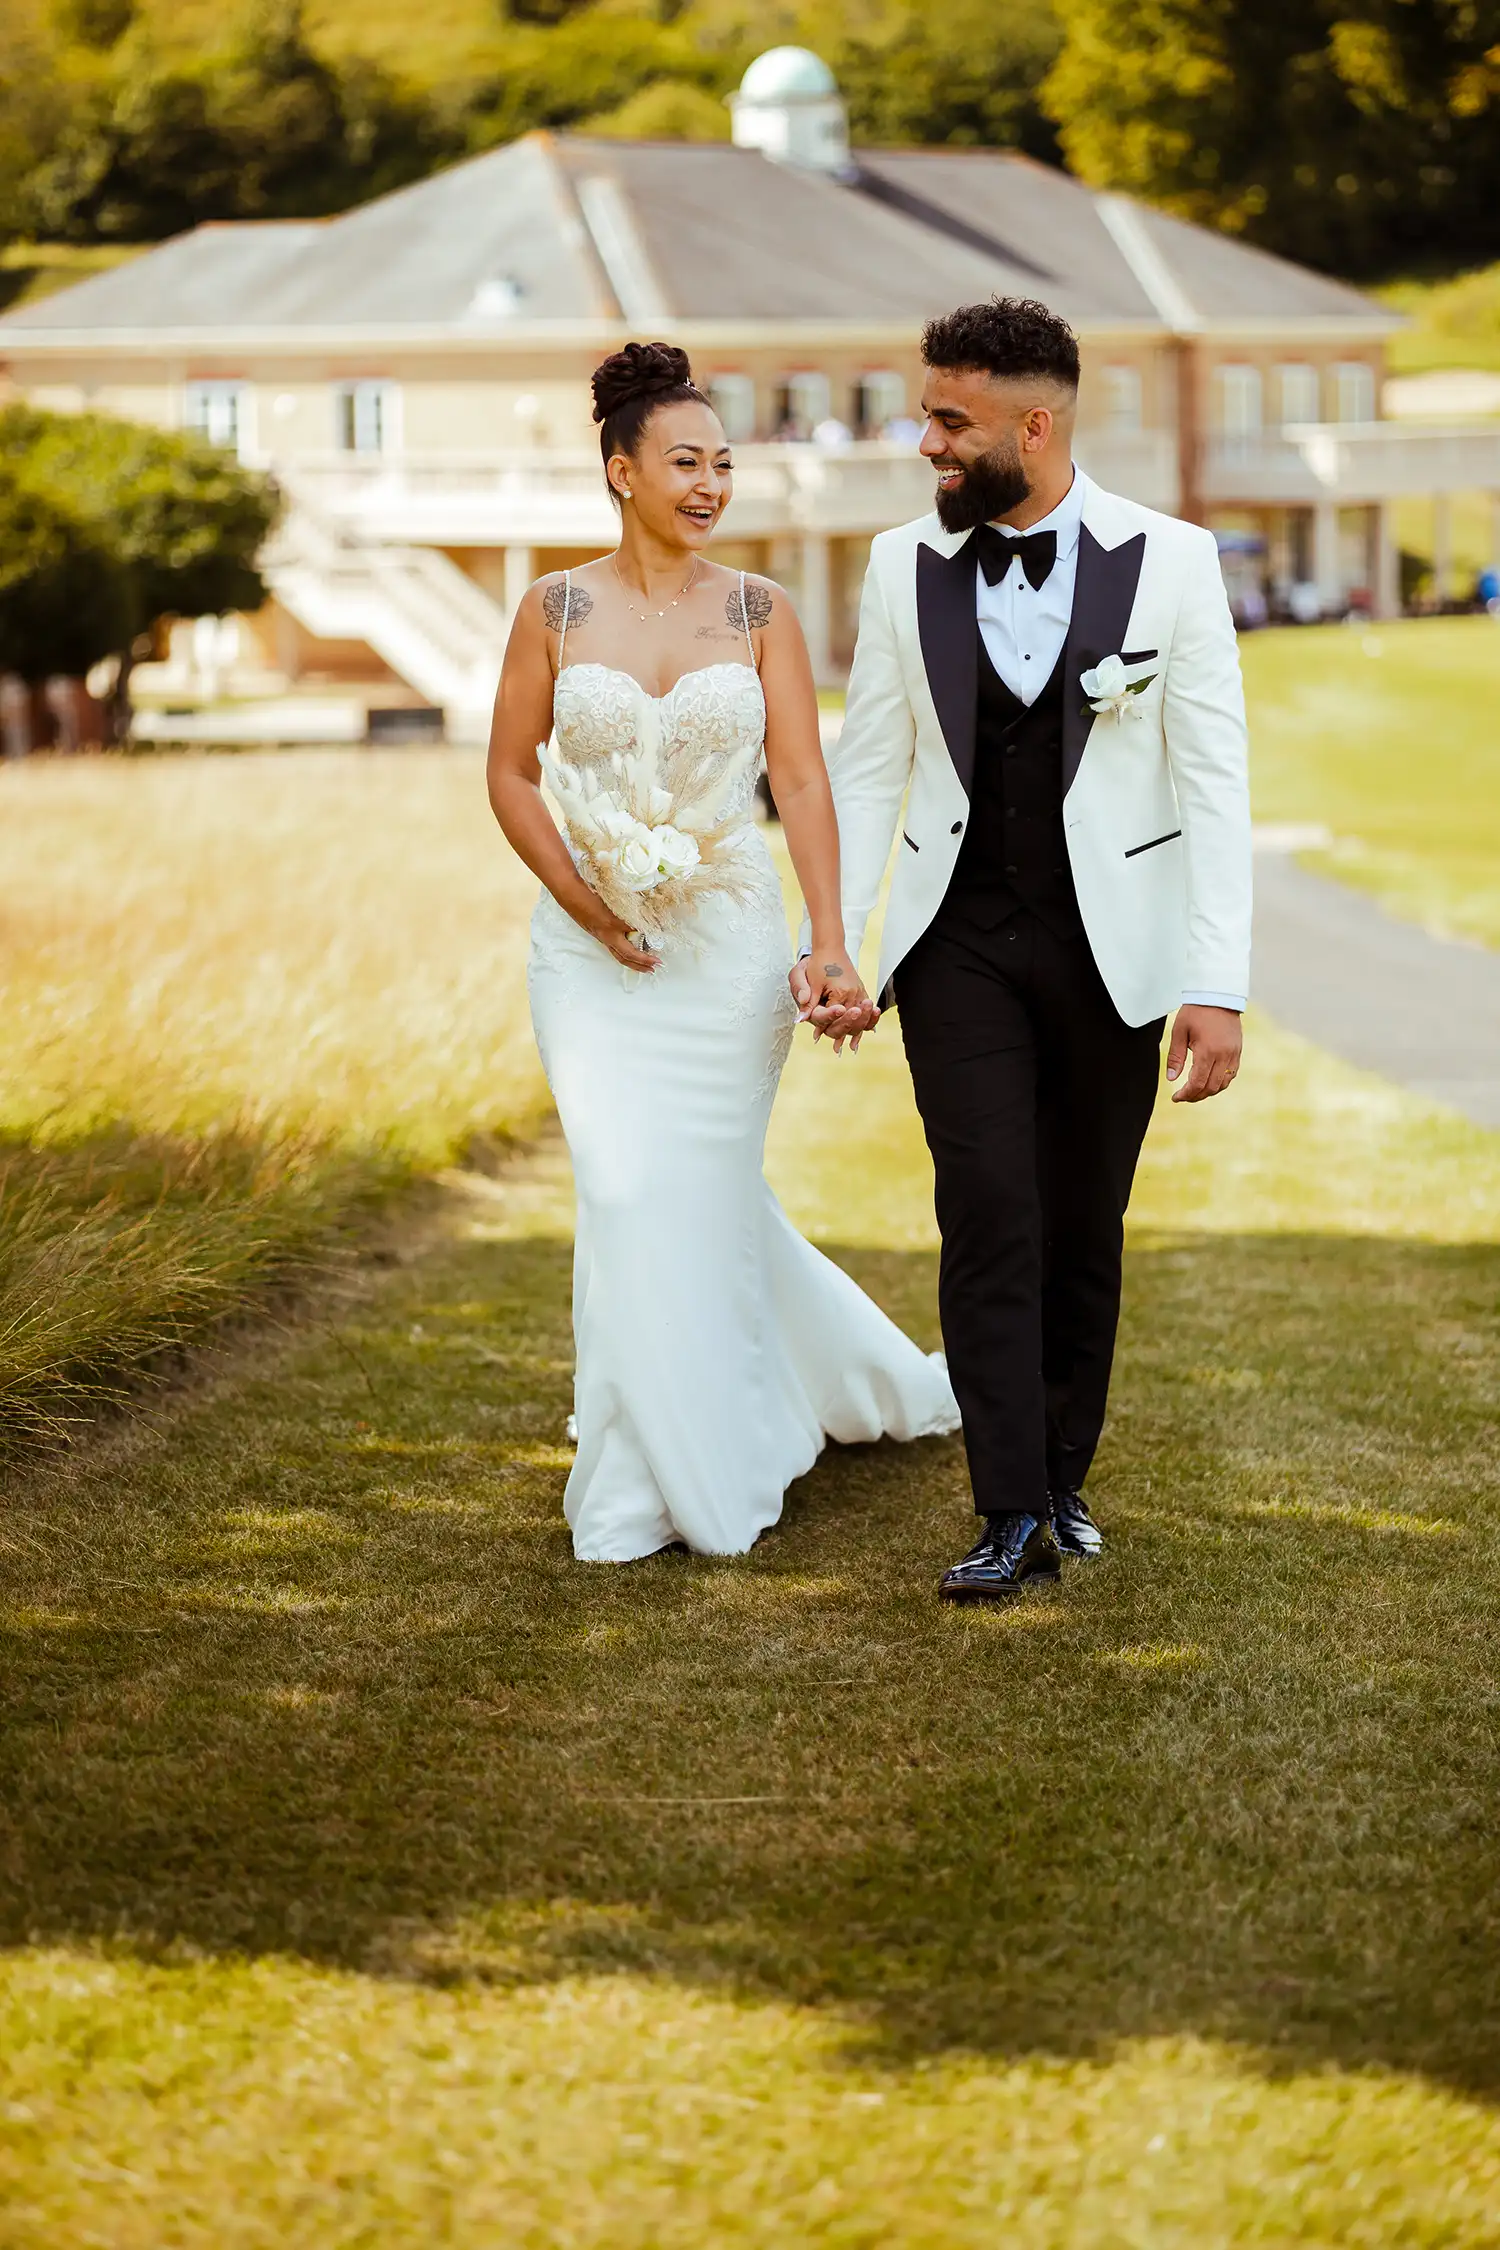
x,y
1010,870
956,828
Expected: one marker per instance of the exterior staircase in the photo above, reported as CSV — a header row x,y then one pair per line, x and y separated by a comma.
x,y
415,608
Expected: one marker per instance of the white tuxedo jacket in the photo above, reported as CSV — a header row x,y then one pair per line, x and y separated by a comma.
x,y
1156,804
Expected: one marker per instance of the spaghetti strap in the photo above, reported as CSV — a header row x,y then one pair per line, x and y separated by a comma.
x,y
745,618
562,632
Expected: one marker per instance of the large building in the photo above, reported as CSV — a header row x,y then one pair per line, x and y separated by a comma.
x,y
416,372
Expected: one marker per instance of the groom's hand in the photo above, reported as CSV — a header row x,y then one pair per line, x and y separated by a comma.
x,y
1213,1037
831,997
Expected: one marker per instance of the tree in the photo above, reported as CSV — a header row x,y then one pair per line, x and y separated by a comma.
x,y
33,107
93,23
63,600
968,76
666,110
179,523
587,65
1357,134
264,128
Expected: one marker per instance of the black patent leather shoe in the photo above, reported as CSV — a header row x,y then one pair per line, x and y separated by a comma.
x,y
1013,1551
1074,1528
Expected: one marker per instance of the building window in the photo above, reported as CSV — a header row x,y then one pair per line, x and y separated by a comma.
x,y
364,417
1353,392
1121,387
879,398
1239,400
733,399
1297,397
217,412
803,401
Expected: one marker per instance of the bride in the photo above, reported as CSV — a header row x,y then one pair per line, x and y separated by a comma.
x,y
716,1349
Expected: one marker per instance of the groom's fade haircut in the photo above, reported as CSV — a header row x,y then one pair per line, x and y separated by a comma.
x,y
1007,336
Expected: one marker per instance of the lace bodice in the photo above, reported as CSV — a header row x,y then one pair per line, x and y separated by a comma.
x,y
711,718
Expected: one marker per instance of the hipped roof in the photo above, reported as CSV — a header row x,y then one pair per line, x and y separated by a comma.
x,y
566,229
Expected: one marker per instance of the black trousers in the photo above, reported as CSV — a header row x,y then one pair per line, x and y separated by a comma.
x,y
1035,1099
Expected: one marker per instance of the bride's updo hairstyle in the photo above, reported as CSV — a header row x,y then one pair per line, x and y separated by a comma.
x,y
632,385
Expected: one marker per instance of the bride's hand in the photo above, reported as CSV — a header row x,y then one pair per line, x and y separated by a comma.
x,y
614,936
836,1003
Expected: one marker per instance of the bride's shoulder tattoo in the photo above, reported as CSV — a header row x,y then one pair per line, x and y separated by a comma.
x,y
563,604
758,606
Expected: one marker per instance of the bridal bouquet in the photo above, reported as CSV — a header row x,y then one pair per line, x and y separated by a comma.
x,y
650,850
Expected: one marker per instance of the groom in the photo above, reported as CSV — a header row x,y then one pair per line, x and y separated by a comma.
x,y
1048,675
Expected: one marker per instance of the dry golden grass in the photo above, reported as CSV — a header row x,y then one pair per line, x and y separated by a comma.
x,y
238,998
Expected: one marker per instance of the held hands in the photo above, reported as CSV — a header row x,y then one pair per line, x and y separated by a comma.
x,y
1213,1037
831,997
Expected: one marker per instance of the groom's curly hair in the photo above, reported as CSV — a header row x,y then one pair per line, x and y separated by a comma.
x,y
1006,336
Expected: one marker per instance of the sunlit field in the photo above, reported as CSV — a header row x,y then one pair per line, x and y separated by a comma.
x,y
239,999
1389,736
370,1873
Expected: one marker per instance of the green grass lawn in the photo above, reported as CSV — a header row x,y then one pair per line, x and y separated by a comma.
x,y
1390,737
372,1873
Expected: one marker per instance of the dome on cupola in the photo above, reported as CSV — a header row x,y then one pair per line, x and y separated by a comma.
x,y
790,108
788,74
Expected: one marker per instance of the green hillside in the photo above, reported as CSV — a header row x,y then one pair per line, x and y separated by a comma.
x,y
1454,323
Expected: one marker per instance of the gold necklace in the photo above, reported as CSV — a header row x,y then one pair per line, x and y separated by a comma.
x,y
643,614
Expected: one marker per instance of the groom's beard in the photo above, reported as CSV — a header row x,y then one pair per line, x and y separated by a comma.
x,y
991,487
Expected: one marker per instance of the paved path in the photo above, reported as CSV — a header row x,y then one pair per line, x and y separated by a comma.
x,y
1333,965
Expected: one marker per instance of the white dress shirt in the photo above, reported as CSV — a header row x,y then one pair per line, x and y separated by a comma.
x,y
1024,628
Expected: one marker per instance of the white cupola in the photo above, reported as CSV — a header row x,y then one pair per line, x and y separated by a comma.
x,y
790,108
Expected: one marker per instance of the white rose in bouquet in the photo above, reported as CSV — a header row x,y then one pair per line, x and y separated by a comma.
x,y
613,823
635,861
676,854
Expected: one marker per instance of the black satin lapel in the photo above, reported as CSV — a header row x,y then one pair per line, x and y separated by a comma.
x,y
1103,597
948,626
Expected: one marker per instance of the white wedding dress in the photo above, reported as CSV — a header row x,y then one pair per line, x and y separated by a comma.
x,y
716,1349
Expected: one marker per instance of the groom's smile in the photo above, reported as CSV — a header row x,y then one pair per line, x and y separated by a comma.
x,y
987,436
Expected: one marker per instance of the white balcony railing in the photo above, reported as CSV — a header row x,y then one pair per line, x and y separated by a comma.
x,y
1352,463
533,499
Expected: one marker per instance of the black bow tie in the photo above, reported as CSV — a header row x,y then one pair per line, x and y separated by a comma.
x,y
996,552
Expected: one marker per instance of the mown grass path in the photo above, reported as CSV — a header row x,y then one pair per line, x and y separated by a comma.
x,y
370,1873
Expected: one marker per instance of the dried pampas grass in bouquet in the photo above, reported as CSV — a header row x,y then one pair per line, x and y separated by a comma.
x,y
649,849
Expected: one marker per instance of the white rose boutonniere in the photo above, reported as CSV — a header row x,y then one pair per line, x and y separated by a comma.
x,y
1111,694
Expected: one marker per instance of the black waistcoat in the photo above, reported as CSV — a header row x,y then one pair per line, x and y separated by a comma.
x,y
1015,853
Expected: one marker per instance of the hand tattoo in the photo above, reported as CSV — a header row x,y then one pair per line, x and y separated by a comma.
x,y
565,605
833,968
758,607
